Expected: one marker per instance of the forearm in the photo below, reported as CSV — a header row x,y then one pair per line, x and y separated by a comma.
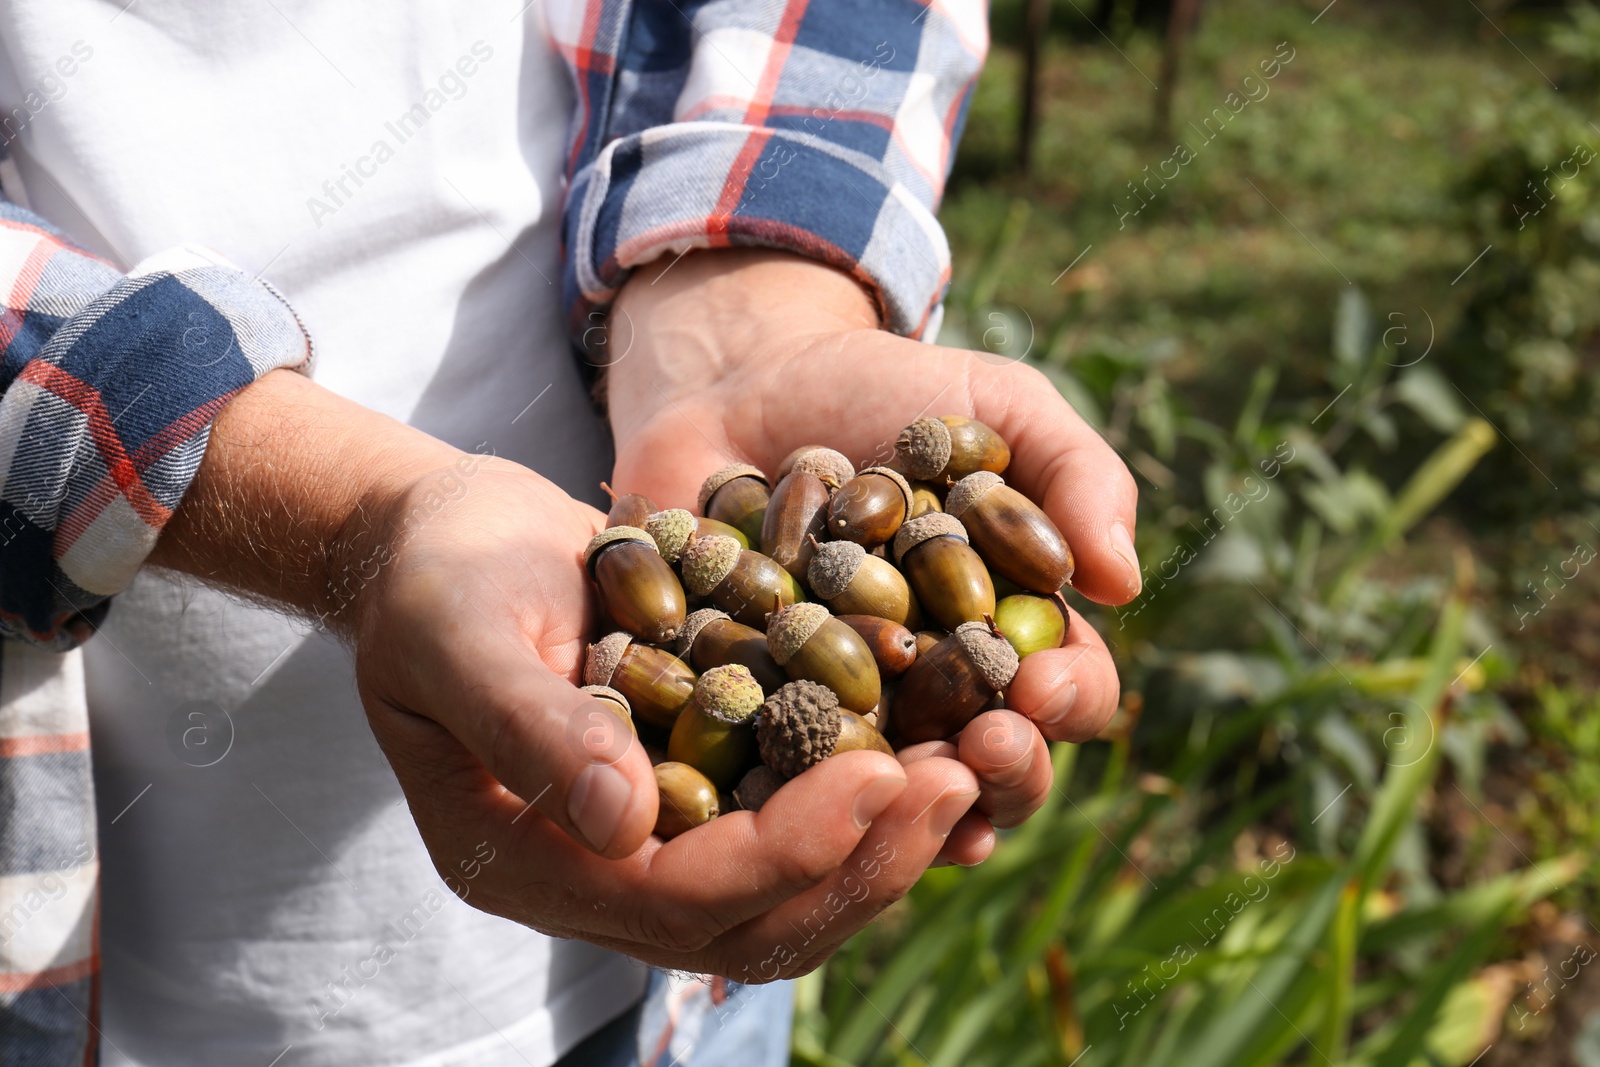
x,y
292,493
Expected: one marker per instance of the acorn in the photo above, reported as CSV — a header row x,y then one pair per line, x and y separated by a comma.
x,y
951,446
757,787
811,645
947,576
869,508
737,495
688,799
1011,532
714,734
831,466
637,586
894,648
671,530
617,702
1033,623
656,684
710,638
926,639
797,514
630,509
704,527
745,584
924,498
854,583
944,689
802,724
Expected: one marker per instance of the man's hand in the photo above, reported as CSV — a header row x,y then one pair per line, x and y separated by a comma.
x,y
746,355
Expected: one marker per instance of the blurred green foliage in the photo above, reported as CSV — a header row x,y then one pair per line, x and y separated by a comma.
x,y
1343,426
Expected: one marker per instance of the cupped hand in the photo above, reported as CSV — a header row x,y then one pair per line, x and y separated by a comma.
x,y
743,356
469,636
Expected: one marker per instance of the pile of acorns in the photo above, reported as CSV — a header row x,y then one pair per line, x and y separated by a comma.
x,y
869,618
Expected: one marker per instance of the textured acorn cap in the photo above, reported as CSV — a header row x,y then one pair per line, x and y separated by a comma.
x,y
612,536
923,527
833,567
757,787
832,467
792,627
798,728
692,626
969,490
730,693
671,530
992,654
605,692
708,560
898,479
604,656
727,474
924,448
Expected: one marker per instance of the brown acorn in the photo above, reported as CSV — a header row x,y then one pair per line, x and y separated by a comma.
x,y
671,530
926,639
834,468
737,495
854,583
1011,532
745,584
802,724
869,508
656,683
925,498
797,513
629,509
947,576
688,799
1033,623
710,638
894,648
811,645
637,586
714,735
944,689
757,787
617,702
951,446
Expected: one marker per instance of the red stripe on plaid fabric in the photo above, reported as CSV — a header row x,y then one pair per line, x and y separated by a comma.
x,y
55,239
22,290
777,59
21,982
585,62
42,744
716,227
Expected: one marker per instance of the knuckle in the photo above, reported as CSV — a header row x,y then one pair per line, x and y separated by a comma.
x,y
673,927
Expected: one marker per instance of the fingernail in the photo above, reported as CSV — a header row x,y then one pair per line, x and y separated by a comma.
x,y
1122,544
878,795
599,797
944,813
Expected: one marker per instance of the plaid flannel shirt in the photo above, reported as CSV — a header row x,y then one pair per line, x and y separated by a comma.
x,y
822,127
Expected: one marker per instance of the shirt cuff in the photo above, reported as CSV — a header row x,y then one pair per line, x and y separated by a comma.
x,y
104,426
690,185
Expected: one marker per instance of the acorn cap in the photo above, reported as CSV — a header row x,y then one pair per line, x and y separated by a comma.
x,y
671,530
604,656
792,627
708,560
969,490
798,728
605,692
757,787
727,474
991,653
923,527
612,536
832,467
692,627
924,448
898,479
729,693
833,567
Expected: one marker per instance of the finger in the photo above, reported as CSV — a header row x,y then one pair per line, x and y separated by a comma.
x,y
1059,460
1068,692
969,844
1012,761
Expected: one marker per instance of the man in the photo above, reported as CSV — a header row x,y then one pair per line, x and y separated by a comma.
x,y
410,180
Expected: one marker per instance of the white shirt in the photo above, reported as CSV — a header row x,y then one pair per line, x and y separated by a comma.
x,y
395,171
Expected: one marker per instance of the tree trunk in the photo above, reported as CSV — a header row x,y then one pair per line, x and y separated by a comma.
x,y
1033,44
1180,21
